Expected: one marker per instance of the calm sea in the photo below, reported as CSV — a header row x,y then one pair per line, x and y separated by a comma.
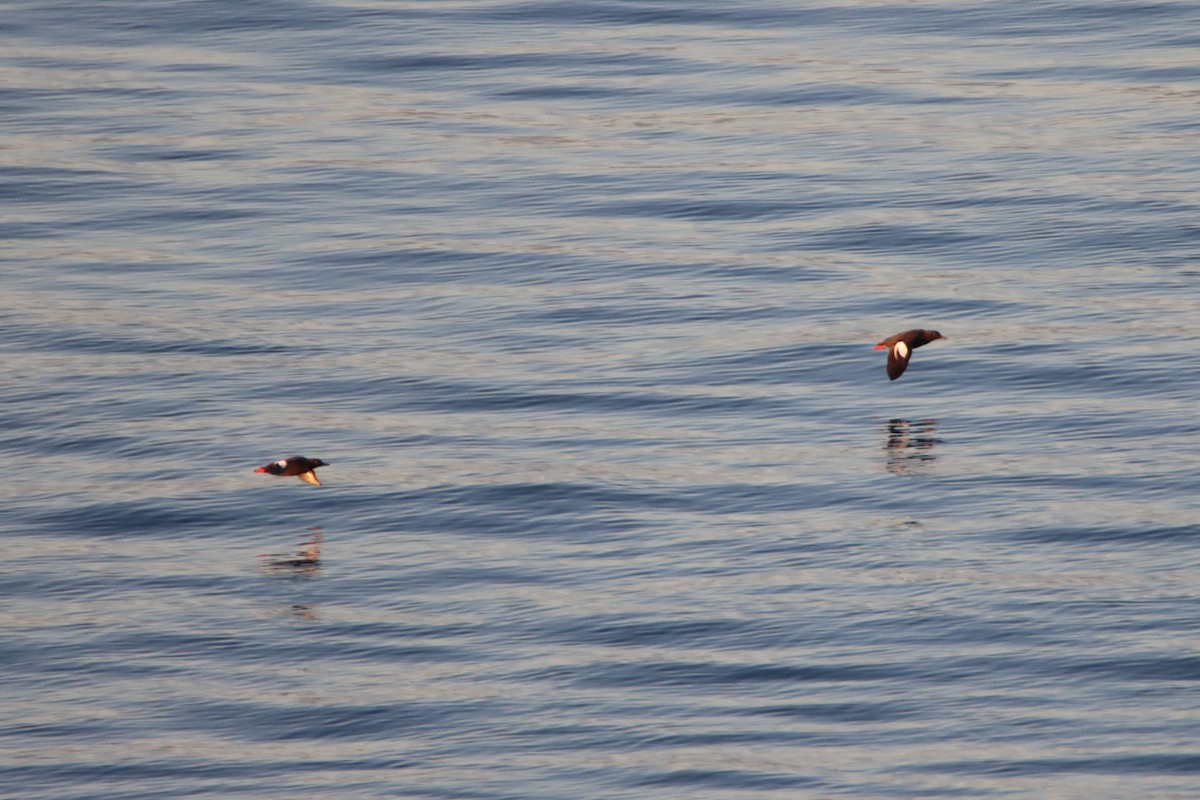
x,y
578,300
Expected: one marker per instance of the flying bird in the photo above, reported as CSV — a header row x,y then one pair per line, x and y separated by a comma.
x,y
298,466
900,348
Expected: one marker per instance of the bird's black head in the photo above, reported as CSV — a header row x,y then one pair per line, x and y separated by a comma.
x,y
931,335
316,462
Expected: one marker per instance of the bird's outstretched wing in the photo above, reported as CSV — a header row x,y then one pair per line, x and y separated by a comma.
x,y
898,355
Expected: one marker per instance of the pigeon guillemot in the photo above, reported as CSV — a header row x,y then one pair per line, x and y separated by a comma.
x,y
299,466
900,348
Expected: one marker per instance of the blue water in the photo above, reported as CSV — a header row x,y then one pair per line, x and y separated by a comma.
x,y
578,301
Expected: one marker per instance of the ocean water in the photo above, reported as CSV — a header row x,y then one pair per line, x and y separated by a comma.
x,y
577,299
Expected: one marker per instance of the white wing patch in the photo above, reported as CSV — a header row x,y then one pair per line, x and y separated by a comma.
x,y
281,463
901,350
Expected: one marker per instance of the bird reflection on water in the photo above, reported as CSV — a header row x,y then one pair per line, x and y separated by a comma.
x,y
910,445
306,561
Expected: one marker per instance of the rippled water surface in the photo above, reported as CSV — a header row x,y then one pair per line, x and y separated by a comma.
x,y
578,301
